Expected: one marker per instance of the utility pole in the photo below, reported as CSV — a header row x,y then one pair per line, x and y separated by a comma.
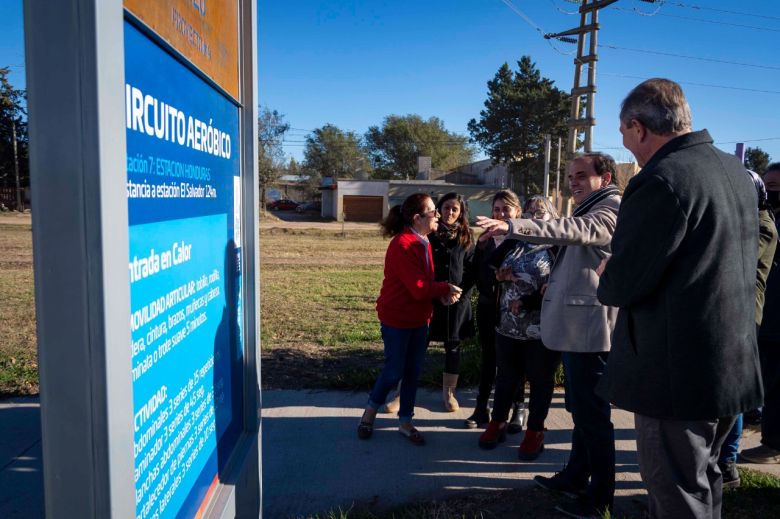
x,y
558,178
19,206
547,165
589,29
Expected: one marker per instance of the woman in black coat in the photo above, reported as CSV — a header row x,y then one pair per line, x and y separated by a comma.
x,y
453,255
505,205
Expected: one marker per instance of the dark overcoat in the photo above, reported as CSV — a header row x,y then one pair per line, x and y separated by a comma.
x,y
453,264
683,273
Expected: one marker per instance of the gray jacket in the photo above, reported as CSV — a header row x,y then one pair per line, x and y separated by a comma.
x,y
573,319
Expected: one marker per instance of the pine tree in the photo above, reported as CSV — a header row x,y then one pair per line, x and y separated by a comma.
x,y
521,108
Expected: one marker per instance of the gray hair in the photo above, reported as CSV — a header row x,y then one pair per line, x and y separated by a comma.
x,y
659,104
544,202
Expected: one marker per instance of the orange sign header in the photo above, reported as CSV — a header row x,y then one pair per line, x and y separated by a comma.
x,y
204,31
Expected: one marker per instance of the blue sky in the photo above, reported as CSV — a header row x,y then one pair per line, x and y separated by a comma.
x,y
352,62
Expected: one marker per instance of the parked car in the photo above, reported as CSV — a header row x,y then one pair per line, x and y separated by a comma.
x,y
284,205
309,207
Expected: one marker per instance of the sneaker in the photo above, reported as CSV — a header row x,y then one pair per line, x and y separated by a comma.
x,y
559,483
493,435
582,508
532,445
761,454
518,418
479,418
730,474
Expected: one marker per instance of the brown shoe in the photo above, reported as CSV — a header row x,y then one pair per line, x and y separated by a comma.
x,y
493,435
413,435
532,445
365,430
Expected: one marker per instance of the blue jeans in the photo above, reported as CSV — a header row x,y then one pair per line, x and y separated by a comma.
x,y
730,447
404,354
593,437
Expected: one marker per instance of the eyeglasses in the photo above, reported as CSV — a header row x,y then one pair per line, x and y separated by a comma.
x,y
435,213
539,213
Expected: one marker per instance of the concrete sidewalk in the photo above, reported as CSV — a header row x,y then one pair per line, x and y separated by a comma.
x,y
313,461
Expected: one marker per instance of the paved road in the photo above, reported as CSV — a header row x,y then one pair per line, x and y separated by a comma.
x,y
313,461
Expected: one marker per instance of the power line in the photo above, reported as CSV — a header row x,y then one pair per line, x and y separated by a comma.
x,y
605,147
726,11
561,10
522,15
642,13
750,140
709,85
702,20
699,58
538,29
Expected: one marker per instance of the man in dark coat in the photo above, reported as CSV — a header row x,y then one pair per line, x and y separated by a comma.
x,y
683,273
769,343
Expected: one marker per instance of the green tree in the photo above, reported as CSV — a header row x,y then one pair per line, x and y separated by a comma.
x,y
270,134
756,159
13,125
521,108
332,152
395,146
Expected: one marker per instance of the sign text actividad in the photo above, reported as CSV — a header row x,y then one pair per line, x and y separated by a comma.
x,y
146,114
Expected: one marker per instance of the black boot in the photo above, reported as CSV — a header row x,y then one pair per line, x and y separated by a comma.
x,y
479,418
730,474
518,418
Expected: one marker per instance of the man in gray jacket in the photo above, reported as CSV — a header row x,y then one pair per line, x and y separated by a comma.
x,y
683,273
575,323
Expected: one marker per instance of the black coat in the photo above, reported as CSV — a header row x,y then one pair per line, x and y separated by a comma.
x,y
770,326
683,273
453,264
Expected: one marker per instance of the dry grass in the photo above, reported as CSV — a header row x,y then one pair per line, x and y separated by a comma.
x,y
18,354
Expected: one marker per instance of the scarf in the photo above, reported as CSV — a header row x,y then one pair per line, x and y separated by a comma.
x,y
446,233
590,201
594,198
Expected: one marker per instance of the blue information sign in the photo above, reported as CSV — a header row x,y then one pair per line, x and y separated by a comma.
x,y
184,272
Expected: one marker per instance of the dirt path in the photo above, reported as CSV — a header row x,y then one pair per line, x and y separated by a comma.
x,y
14,218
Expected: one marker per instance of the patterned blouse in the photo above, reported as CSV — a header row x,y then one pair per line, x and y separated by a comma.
x,y
519,300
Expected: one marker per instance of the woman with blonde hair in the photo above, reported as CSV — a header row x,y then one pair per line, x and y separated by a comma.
x,y
522,275
505,205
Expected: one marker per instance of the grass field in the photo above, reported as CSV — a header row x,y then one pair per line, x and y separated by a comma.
x,y
319,325
18,355
319,330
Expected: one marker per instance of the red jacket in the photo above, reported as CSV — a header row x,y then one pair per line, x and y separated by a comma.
x,y
409,288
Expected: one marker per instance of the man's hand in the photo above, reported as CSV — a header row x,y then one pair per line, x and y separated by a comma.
x,y
602,266
491,227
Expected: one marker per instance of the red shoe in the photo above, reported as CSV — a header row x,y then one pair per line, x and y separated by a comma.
x,y
493,435
532,445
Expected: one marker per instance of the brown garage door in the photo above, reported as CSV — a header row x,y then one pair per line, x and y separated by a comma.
x,y
363,208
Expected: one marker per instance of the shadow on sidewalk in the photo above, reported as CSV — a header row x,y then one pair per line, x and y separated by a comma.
x,y
313,461
21,474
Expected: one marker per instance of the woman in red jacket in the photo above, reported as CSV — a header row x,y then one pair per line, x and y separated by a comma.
x,y
404,307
